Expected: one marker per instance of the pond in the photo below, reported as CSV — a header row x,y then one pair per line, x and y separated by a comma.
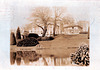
x,y
41,56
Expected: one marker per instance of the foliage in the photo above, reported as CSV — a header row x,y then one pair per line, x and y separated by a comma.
x,y
12,39
28,42
18,35
81,56
33,35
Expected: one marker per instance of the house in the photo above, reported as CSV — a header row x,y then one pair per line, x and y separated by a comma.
x,y
72,29
84,25
50,29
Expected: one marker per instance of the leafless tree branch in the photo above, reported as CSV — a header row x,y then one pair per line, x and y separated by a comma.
x,y
40,27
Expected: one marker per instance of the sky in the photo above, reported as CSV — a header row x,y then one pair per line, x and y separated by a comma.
x,y
20,11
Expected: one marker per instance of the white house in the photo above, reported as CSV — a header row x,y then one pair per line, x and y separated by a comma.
x,y
72,29
84,25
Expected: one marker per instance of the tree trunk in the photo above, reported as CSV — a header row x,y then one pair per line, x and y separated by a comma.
x,y
88,32
54,28
54,61
44,32
45,62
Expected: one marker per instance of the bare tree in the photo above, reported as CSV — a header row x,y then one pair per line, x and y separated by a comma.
x,y
58,14
41,17
69,20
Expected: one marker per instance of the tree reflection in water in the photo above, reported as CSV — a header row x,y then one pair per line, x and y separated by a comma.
x,y
12,57
31,57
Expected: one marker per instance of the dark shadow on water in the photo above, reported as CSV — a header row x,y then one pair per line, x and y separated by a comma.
x,y
27,57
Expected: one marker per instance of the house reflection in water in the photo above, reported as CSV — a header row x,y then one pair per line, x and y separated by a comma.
x,y
32,58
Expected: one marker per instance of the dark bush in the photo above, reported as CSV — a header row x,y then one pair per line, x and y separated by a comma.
x,y
12,39
28,42
81,56
18,35
33,35
51,38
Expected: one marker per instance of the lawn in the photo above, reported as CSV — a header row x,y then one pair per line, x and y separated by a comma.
x,y
63,45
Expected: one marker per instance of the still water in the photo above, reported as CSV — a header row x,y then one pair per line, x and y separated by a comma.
x,y
41,56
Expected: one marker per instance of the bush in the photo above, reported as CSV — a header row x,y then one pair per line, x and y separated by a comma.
x,y
18,35
28,42
51,38
81,56
12,39
33,35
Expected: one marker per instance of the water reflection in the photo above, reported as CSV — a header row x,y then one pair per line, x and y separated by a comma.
x,y
33,58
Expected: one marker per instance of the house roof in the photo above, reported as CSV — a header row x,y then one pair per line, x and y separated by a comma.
x,y
74,26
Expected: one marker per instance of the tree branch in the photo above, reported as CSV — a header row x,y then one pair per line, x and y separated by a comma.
x,y
40,27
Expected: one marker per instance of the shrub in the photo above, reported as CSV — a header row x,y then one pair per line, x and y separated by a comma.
x,y
51,38
33,35
18,35
12,39
81,56
28,42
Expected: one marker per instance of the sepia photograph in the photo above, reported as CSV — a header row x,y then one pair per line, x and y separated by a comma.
x,y
50,35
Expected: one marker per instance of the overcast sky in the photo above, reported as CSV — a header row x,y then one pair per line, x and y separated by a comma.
x,y
20,10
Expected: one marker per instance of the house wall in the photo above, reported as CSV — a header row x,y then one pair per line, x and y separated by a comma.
x,y
84,25
37,30
71,30
49,30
